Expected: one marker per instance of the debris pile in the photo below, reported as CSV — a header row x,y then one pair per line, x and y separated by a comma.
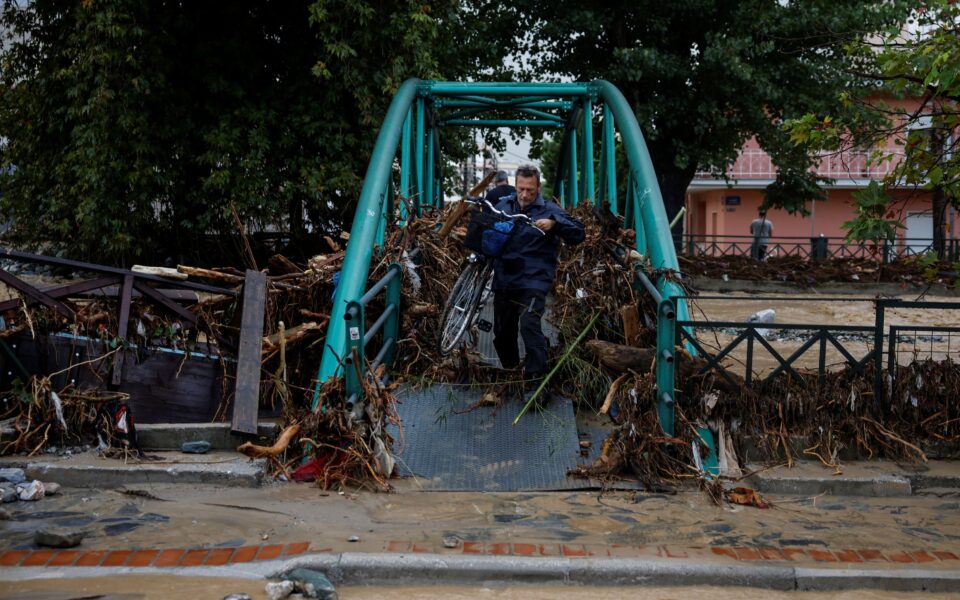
x,y
919,270
603,356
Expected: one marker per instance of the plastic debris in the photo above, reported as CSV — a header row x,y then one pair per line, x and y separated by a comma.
x,y
313,584
767,315
197,447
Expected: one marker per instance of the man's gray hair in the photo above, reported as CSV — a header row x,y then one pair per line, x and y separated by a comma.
x,y
529,171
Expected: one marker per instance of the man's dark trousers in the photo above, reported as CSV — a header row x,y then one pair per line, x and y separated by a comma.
x,y
524,308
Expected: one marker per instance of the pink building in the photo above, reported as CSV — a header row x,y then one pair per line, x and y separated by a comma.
x,y
718,213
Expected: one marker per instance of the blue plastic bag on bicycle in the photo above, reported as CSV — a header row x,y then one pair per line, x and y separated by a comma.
x,y
495,239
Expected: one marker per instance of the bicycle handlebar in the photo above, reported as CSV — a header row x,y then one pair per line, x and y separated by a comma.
x,y
517,217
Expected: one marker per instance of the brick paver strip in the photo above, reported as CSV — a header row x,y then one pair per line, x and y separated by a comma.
x,y
116,558
244,554
298,548
524,549
142,558
747,554
549,550
576,550
872,554
168,558
849,556
91,559
396,546
12,557
64,558
724,551
270,552
218,557
822,555
499,549
194,558
222,556
945,555
473,547
772,554
38,558
900,557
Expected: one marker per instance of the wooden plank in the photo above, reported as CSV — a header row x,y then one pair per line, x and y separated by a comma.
x,y
246,398
126,293
34,293
166,272
62,291
106,288
165,302
165,388
94,268
461,208
631,324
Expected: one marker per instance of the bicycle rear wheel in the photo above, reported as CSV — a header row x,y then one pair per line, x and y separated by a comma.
x,y
461,306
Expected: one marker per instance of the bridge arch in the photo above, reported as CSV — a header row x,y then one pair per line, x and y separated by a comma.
x,y
410,134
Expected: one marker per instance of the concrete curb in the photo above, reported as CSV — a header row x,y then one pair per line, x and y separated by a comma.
x,y
353,568
239,473
873,486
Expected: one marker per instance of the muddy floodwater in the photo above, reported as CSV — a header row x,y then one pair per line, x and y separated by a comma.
x,y
832,310
150,587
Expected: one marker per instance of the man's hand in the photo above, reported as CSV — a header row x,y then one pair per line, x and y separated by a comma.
x,y
544,224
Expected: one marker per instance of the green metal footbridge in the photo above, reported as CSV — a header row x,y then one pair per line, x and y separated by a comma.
x,y
408,143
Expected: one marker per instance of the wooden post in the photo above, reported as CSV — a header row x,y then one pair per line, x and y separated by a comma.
x,y
126,293
246,398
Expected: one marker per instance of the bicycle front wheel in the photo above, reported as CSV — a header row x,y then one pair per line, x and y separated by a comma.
x,y
461,305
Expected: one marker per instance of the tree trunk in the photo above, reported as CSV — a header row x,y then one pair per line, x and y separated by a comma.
x,y
938,201
939,205
295,207
674,182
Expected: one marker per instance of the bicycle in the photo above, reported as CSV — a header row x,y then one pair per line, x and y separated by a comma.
x,y
487,237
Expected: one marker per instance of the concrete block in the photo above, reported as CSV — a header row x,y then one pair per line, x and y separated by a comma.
x,y
172,436
89,471
811,479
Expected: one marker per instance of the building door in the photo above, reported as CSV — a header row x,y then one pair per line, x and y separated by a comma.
x,y
919,234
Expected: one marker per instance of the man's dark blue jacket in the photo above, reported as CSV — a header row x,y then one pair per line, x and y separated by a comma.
x,y
530,260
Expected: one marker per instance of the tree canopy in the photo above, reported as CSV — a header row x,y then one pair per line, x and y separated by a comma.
x,y
704,76
135,129
138,129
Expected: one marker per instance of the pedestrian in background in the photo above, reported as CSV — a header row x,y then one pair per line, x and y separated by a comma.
x,y
761,229
503,188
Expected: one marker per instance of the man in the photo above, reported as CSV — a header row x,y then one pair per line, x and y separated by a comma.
x,y
524,274
761,229
503,188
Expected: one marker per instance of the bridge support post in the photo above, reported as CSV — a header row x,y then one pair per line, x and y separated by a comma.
x,y
608,161
587,152
572,186
666,364
391,329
